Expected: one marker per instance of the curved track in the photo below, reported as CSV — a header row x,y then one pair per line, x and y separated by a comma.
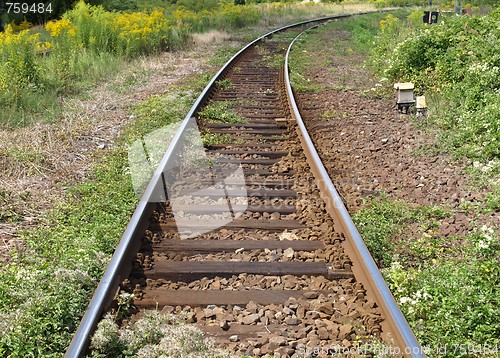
x,y
253,243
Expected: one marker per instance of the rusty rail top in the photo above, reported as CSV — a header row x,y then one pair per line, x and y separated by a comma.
x,y
120,267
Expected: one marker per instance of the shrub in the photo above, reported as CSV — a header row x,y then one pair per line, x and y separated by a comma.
x,y
198,6
120,33
86,43
234,16
459,59
219,112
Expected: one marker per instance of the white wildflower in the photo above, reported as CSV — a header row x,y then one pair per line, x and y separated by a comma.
x,y
404,300
485,229
106,334
482,245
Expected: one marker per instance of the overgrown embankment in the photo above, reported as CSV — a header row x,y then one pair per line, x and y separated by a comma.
x,y
457,64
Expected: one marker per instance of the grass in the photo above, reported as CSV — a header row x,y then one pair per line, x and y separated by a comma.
x,y
32,107
221,57
447,287
225,84
300,60
463,104
333,115
450,302
303,67
71,250
87,47
126,81
45,286
383,220
211,36
83,48
158,111
8,211
208,138
273,59
220,112
50,278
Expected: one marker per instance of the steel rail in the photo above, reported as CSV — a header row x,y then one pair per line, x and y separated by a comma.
x,y
120,265
367,272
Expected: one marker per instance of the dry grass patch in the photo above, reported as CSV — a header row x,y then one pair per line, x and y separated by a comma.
x,y
213,36
301,12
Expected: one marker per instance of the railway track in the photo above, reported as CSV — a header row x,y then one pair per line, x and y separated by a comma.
x,y
242,230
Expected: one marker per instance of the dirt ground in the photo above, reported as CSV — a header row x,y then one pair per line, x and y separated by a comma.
x,y
370,148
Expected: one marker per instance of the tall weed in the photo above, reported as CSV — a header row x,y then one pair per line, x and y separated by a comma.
x,y
18,69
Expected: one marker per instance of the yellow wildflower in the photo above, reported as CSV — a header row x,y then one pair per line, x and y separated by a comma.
x,y
43,46
56,28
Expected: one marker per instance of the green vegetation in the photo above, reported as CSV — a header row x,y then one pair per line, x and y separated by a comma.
x,y
208,138
86,46
47,284
220,112
383,220
45,287
154,335
304,67
457,63
59,7
8,212
50,277
221,57
448,288
159,111
452,302
301,57
225,84
333,114
435,4
40,67
274,58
